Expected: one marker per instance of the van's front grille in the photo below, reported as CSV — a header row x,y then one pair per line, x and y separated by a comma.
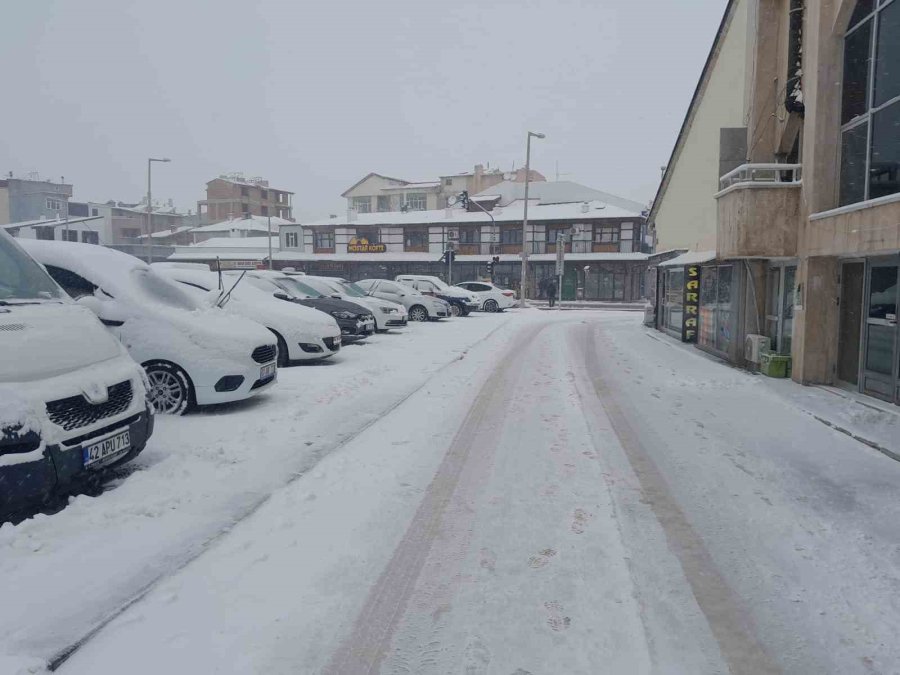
x,y
264,354
76,412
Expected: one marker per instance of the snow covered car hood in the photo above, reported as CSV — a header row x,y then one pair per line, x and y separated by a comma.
x,y
52,338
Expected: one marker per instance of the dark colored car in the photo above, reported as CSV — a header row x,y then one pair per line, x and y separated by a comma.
x,y
356,322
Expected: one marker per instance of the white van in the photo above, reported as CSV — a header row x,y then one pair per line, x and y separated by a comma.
x,y
72,401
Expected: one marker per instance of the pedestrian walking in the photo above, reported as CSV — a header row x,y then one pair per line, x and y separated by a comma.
x,y
549,288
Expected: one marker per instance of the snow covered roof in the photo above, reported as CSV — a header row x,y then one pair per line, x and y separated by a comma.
x,y
226,248
162,234
412,186
251,224
514,212
689,258
559,192
235,242
43,222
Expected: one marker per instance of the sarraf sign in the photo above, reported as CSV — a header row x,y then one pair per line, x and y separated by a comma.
x,y
362,245
690,324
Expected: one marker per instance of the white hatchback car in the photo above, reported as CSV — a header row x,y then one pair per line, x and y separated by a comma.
x,y
193,354
420,307
492,298
388,314
303,333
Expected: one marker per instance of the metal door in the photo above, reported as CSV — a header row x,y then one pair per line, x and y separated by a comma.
x,y
881,361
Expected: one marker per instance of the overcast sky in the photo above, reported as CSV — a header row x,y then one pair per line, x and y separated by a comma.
x,y
313,95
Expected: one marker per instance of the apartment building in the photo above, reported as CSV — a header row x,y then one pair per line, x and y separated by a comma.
x,y
31,198
806,244
234,196
376,193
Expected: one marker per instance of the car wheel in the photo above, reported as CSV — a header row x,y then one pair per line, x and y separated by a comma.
x,y
491,306
418,313
170,391
284,356
454,310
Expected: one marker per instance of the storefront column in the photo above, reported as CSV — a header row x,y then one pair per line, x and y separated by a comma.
x,y
814,349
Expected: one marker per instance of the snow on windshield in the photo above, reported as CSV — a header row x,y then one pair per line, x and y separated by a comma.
x,y
21,278
158,289
352,289
297,288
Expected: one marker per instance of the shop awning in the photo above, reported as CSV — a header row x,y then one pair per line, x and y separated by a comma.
x,y
689,258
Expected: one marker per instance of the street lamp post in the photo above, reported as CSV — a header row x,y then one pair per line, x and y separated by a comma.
x,y
150,161
525,215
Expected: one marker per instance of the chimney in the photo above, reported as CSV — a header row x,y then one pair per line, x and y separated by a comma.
x,y
585,207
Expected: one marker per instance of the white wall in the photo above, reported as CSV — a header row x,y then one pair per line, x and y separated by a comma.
x,y
686,218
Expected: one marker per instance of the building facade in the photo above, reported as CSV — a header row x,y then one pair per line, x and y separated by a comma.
x,y
27,199
605,260
376,193
233,196
806,249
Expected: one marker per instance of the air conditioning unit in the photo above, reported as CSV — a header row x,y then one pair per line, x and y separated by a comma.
x,y
452,235
754,345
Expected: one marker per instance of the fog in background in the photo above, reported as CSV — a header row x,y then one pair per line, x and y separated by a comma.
x,y
313,95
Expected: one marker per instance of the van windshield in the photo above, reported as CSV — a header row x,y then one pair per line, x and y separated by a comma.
x,y
21,278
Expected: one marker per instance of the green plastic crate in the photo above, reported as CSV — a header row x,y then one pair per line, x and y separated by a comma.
x,y
774,365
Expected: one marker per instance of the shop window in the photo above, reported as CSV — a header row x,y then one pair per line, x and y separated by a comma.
x,y
511,236
323,240
469,235
674,299
717,308
780,307
416,240
870,104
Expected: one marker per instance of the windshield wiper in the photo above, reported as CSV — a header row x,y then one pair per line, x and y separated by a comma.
x,y
15,303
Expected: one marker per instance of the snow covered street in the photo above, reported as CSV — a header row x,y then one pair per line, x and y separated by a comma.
x,y
526,493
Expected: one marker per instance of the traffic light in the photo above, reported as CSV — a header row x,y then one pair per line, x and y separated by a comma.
x,y
491,264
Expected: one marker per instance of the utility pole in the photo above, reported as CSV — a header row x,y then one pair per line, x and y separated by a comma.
x,y
524,282
270,241
150,161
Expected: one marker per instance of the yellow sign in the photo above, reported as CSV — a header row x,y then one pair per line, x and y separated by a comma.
x,y
362,245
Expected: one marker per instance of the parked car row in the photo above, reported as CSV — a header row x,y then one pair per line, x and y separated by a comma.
x,y
80,393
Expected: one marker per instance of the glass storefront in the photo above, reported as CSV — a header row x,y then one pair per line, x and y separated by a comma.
x,y
718,308
881,343
673,305
780,285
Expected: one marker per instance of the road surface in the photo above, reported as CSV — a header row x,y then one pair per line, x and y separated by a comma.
x,y
576,494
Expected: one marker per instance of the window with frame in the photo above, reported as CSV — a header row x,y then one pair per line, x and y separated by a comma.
x,y
323,239
416,201
448,181
362,204
370,234
870,103
416,239
95,212
264,210
469,235
245,192
291,239
90,237
606,234
511,235
383,203
53,204
263,194
70,235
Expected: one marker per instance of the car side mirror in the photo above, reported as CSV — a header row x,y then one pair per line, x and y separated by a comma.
x,y
282,296
92,302
336,296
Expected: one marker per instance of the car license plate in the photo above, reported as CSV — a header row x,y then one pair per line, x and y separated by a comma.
x,y
267,371
370,325
103,452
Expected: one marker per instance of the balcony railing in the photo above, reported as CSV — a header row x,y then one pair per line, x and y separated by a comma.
x,y
769,175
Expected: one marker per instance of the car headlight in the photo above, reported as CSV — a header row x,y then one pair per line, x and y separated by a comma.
x,y
343,315
388,310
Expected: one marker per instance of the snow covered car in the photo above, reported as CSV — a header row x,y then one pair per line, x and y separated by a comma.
x,y
461,301
303,334
492,298
419,307
71,399
387,314
356,321
193,354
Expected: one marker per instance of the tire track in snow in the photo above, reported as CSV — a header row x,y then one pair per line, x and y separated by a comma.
x,y
728,621
366,647
66,653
